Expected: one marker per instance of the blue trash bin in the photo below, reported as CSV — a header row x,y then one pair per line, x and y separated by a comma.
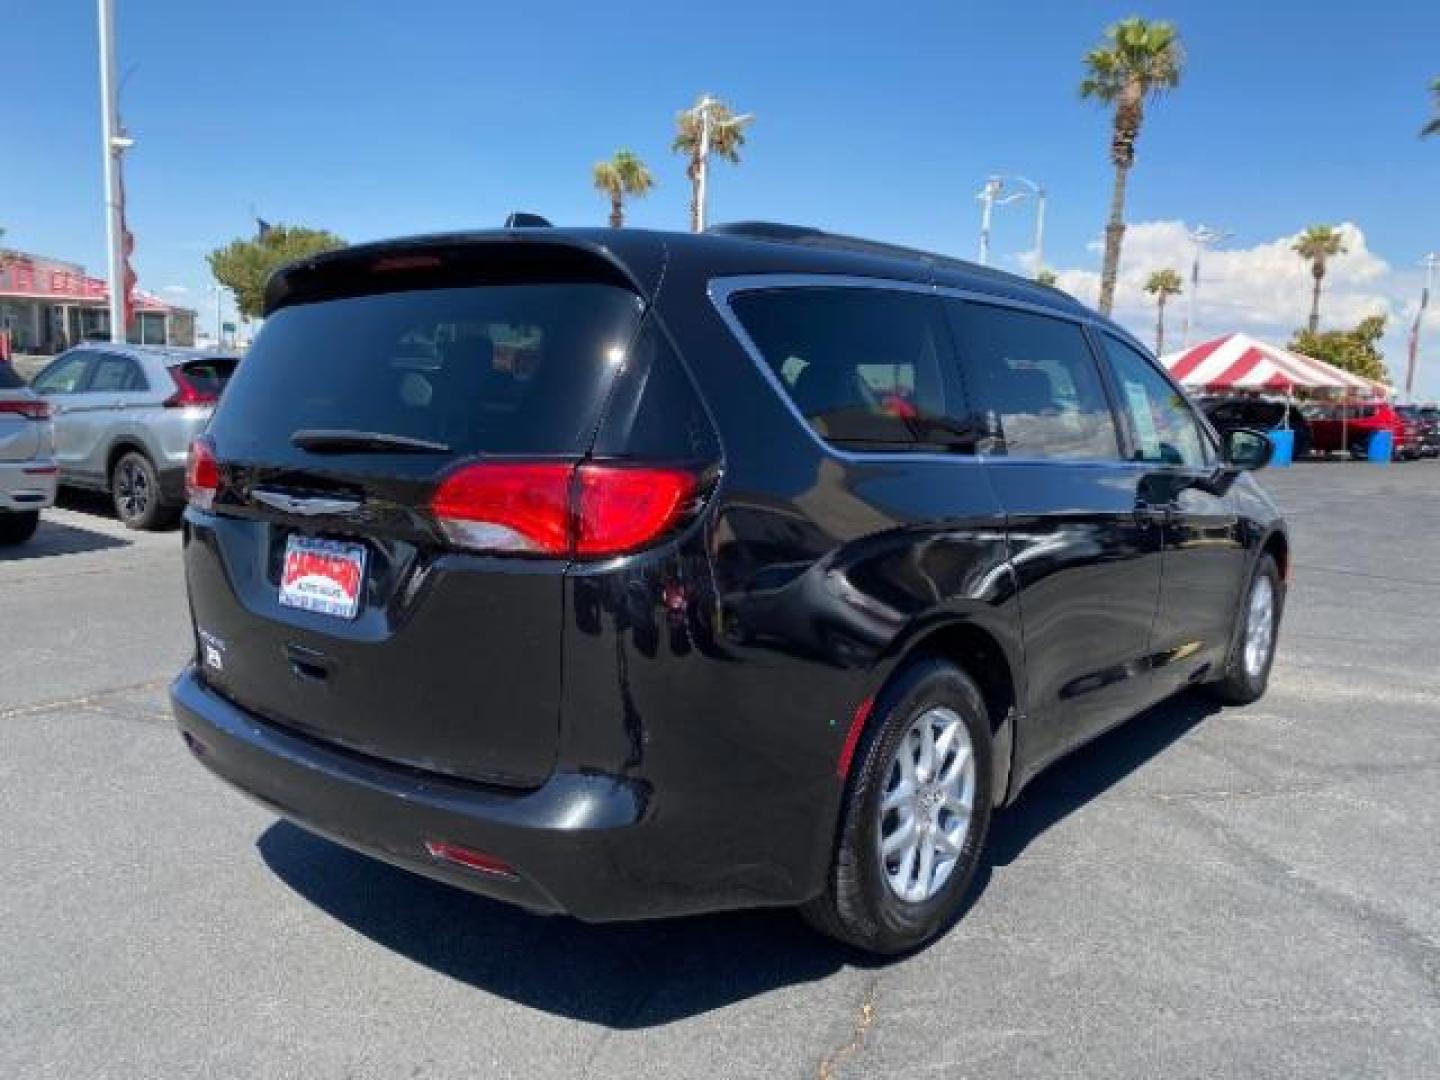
x,y
1283,440
1381,448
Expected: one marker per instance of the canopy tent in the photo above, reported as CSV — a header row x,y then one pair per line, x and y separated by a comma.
x,y
1240,362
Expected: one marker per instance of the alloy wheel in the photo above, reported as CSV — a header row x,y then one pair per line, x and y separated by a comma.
x,y
927,805
1259,626
132,490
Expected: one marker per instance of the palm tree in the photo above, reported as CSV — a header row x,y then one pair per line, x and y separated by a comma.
x,y
1045,276
727,136
1162,285
1317,244
1140,60
1433,127
624,174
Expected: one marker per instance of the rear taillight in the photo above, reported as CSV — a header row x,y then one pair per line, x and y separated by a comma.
x,y
202,474
28,408
187,393
562,509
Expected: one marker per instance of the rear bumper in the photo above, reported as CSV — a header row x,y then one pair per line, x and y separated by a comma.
x,y
27,485
577,843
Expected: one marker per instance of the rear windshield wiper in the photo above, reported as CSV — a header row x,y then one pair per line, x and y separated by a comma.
x,y
340,441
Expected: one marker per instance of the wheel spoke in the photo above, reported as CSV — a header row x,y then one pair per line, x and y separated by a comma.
x,y
927,867
903,835
949,845
902,794
957,765
926,764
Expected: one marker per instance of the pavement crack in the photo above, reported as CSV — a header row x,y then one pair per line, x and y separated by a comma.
x,y
864,1020
81,701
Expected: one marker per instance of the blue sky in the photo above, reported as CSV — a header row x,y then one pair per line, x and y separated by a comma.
x,y
373,119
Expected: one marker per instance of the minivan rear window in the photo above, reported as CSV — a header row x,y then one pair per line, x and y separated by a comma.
x,y
488,369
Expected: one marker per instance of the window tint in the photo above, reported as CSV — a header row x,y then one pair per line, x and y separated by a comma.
x,y
210,375
1039,378
866,367
1165,429
115,374
10,378
503,368
63,376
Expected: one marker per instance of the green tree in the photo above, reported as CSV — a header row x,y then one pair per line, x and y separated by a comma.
x,y
1162,285
1046,277
244,265
1433,127
1317,245
1356,351
1139,61
624,174
727,136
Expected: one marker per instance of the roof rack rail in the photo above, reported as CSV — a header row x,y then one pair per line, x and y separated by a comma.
x,y
812,237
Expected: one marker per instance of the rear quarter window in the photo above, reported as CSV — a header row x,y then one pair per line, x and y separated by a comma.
x,y
485,369
209,376
10,378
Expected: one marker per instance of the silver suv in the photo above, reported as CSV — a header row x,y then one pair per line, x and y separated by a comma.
x,y
125,416
27,465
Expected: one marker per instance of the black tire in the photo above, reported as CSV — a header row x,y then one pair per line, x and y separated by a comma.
x,y
1239,684
16,528
858,906
135,491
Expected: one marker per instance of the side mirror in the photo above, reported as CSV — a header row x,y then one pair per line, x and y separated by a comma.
x,y
1247,449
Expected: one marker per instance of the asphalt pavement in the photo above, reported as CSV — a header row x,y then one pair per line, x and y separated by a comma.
x,y
1241,892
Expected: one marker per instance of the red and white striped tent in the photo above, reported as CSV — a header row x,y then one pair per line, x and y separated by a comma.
x,y
1240,362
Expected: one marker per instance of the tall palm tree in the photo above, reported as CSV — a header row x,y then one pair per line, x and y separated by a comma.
x,y
1162,285
727,136
1317,245
1139,61
624,174
1433,127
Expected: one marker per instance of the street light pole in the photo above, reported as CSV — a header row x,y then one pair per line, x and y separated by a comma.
x,y
1430,261
987,198
1202,237
702,165
113,146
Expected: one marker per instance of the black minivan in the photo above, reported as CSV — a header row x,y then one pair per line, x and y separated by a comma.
x,y
629,574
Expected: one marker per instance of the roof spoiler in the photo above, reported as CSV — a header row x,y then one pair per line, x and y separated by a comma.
x,y
520,219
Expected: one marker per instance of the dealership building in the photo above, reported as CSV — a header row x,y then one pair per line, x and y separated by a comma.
x,y
47,305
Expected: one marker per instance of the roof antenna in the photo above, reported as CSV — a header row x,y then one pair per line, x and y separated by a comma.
x,y
519,219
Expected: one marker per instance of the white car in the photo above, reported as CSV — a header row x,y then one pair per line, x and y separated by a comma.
x,y
28,472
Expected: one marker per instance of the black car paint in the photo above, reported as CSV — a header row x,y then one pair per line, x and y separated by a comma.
x,y
701,693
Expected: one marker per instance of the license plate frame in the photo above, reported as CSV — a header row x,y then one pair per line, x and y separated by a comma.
x,y
326,577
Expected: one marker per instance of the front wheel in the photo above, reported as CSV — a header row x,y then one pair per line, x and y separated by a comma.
x,y
915,814
16,528
1252,653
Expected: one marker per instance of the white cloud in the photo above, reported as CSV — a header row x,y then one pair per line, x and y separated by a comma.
x,y
1263,290
178,290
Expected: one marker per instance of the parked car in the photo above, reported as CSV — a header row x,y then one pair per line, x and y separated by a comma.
x,y
472,525
1260,414
125,416
27,462
1426,423
1339,428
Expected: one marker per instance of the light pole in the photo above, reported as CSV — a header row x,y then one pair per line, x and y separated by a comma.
x,y
1429,261
114,144
1202,237
703,110
989,197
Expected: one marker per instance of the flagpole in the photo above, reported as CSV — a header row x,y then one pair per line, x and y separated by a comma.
x,y
113,146
1415,330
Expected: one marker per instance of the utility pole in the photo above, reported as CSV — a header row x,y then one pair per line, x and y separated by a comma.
x,y
987,197
1202,236
1430,261
703,111
114,145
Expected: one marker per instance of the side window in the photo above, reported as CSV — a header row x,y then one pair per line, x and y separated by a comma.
x,y
116,374
1036,374
64,376
866,367
1165,429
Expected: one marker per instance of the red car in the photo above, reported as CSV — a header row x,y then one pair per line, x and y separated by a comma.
x,y
1349,428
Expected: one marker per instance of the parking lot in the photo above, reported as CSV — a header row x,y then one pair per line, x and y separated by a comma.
x,y
1244,892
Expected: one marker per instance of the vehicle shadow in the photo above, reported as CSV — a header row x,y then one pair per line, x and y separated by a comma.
x,y
53,538
638,975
